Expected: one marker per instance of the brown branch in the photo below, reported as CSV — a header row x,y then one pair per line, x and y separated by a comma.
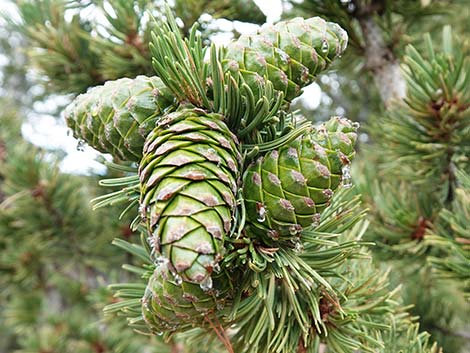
x,y
420,230
301,347
221,333
177,348
3,157
446,331
451,179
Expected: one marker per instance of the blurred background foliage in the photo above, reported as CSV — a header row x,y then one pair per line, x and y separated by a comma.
x,y
56,256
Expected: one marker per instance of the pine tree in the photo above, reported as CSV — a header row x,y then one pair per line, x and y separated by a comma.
x,y
408,175
239,227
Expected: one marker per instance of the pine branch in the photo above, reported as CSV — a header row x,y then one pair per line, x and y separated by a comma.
x,y
178,62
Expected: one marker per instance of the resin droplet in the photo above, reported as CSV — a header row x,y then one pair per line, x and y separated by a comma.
x,y
154,239
143,212
324,46
295,229
304,74
81,145
346,179
273,234
206,285
298,245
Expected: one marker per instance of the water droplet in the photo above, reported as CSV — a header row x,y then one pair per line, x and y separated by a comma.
x,y
324,46
346,179
283,56
206,284
161,261
351,7
261,211
177,279
356,125
81,145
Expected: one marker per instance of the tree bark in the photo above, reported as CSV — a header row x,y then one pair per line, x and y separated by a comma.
x,y
3,157
382,63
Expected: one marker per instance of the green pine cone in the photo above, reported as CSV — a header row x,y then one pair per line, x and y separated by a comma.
x,y
115,118
285,190
171,305
189,177
290,53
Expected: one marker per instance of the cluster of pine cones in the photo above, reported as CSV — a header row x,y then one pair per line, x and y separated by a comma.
x,y
199,194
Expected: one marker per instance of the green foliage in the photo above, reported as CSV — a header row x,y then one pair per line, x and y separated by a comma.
x,y
395,17
453,235
55,256
61,49
430,132
316,292
79,52
417,206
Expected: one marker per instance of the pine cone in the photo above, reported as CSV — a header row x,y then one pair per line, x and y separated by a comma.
x,y
116,117
290,53
189,178
170,304
286,189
